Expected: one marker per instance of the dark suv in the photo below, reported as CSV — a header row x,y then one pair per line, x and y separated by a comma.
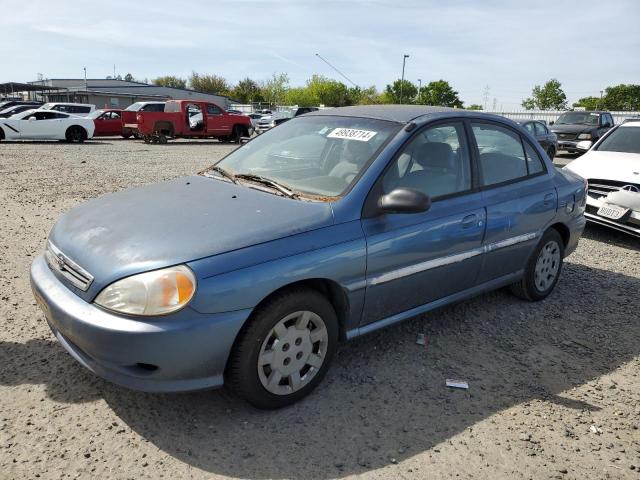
x,y
576,126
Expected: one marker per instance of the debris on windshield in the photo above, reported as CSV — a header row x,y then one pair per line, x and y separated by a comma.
x,y
421,339
457,384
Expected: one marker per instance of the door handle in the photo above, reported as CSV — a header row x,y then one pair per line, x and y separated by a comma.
x,y
469,221
549,198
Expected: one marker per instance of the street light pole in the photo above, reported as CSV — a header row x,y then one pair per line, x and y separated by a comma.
x,y
404,59
419,89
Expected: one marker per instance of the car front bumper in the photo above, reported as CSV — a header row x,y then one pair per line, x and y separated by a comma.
x,y
628,224
568,145
184,351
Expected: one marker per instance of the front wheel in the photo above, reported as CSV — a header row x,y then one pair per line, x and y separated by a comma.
x,y
286,349
543,268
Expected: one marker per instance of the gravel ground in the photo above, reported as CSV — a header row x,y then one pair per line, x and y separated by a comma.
x,y
554,386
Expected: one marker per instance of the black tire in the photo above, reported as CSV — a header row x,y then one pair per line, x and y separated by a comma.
x,y
76,134
1,134
551,152
126,133
528,288
238,133
162,139
242,372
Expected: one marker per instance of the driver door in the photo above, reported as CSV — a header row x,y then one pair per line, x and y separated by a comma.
x,y
414,259
217,121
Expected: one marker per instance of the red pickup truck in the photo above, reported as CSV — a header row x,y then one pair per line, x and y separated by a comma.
x,y
192,119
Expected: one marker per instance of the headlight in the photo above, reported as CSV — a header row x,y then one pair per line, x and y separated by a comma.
x,y
273,123
151,293
584,136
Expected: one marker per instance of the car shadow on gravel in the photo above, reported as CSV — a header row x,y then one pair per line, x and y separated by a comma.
x,y
600,233
384,399
52,142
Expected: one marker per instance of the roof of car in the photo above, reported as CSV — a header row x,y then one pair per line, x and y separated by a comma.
x,y
392,113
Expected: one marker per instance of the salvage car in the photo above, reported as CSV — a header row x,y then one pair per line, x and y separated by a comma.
x,y
333,225
546,138
277,118
191,119
108,122
129,125
46,125
612,170
575,126
79,109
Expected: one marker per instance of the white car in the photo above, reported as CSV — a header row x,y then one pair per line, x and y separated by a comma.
x,y
80,109
612,170
46,125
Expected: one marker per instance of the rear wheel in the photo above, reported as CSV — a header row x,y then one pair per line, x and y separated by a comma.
x,y
127,133
543,268
76,134
285,350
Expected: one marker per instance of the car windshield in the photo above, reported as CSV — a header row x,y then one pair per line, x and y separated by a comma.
x,y
313,156
134,107
95,114
578,118
622,139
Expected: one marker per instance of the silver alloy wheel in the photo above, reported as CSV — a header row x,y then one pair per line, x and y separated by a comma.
x,y
547,266
292,353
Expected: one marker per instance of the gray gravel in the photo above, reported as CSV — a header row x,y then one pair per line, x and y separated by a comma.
x,y
554,386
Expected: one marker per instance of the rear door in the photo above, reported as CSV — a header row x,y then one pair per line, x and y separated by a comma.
x,y
414,259
519,196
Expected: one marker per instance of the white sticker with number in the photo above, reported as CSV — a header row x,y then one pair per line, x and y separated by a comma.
x,y
352,134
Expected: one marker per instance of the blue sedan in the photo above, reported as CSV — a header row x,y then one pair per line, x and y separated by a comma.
x,y
330,226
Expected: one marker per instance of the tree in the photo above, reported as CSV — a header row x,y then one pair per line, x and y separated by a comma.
x,y
275,88
129,78
548,97
589,103
392,92
170,81
329,92
622,98
247,91
439,93
213,84
475,106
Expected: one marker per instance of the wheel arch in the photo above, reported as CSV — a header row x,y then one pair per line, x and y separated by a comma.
x,y
164,127
330,289
564,232
2,135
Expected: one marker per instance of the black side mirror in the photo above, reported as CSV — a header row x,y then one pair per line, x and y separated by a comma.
x,y
551,122
404,200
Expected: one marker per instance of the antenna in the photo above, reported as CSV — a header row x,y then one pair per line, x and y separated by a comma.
x,y
343,75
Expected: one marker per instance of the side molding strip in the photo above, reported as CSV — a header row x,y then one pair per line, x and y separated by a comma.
x,y
449,259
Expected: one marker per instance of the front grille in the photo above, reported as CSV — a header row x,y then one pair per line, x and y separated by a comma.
x,y
598,188
70,270
567,136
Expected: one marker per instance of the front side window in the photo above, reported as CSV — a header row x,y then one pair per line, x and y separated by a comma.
x,y
314,156
541,129
213,109
622,139
529,127
502,157
435,162
534,162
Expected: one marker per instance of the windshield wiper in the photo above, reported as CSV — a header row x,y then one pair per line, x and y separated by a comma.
x,y
223,172
269,183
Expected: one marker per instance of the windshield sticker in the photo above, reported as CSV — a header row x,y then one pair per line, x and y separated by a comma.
x,y
352,134
594,114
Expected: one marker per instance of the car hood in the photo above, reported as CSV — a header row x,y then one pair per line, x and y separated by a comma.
x,y
617,166
571,128
174,222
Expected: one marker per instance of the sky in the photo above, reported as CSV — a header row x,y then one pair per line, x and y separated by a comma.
x,y
507,46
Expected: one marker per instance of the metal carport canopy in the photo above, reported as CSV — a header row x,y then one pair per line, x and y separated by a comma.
x,y
12,87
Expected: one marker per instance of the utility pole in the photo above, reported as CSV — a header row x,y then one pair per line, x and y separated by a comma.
x,y
485,96
404,59
85,79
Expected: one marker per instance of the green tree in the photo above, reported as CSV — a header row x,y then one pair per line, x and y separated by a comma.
x,y
392,92
439,93
548,97
475,106
206,83
129,78
247,91
329,92
622,98
589,103
170,81
275,88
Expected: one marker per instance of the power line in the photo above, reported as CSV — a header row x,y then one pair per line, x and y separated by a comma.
x,y
325,61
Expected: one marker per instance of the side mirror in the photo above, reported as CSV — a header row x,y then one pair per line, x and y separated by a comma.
x,y
551,122
404,200
32,119
584,145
